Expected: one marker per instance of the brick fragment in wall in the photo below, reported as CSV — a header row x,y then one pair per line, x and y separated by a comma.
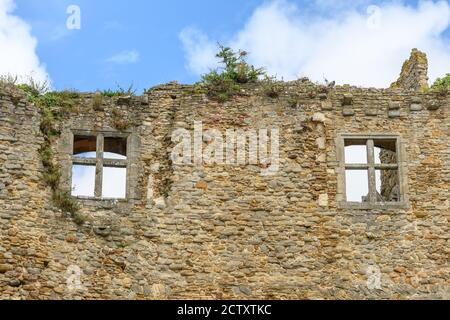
x,y
348,111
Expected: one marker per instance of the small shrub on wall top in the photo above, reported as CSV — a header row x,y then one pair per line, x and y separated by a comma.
x,y
442,83
224,83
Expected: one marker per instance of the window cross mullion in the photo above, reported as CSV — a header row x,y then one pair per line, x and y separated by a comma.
x,y
372,176
386,166
115,163
99,166
356,166
84,161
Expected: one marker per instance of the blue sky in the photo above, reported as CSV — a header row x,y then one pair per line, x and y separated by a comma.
x,y
78,58
148,33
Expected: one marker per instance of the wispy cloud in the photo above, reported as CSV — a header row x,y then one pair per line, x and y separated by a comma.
x,y
360,44
125,57
18,55
200,51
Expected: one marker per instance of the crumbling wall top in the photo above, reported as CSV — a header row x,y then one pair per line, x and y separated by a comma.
x,y
414,74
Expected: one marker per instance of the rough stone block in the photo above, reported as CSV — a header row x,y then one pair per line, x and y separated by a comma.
x,y
394,105
319,117
322,96
323,200
348,112
394,113
327,105
5,268
371,111
201,185
347,100
433,105
416,107
416,100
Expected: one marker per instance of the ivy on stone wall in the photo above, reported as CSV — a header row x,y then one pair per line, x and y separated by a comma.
x,y
53,107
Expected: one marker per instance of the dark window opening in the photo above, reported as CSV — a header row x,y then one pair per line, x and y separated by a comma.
x,y
115,148
85,146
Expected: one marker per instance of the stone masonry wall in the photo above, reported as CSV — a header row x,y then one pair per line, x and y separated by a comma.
x,y
414,74
223,232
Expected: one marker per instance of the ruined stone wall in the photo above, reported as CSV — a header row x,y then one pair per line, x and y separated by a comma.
x,y
414,74
221,232
389,189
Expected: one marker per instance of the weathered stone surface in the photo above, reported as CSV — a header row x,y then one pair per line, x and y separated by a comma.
x,y
323,200
201,185
371,111
416,107
394,105
226,231
319,117
348,111
327,105
394,113
414,74
433,105
347,100
5,268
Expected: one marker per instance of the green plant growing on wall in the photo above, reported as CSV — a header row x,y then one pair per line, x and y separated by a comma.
x,y
119,91
442,84
35,88
31,92
236,67
294,101
77,217
272,88
198,88
224,83
166,186
123,244
53,107
32,87
8,80
66,203
220,86
97,102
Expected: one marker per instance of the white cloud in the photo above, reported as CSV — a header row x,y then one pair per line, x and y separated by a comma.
x,y
349,45
199,49
18,47
125,57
